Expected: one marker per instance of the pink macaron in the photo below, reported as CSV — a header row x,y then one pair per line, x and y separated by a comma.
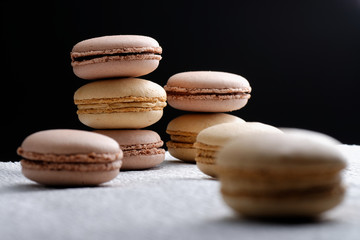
x,y
67,157
207,91
115,56
141,148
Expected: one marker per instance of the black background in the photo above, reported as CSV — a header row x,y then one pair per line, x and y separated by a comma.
x,y
301,58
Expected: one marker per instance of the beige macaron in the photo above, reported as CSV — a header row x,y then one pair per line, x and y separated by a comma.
x,y
67,157
125,103
184,129
280,175
115,56
210,140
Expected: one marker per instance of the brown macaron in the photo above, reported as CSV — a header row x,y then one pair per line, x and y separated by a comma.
x,y
65,157
141,148
115,56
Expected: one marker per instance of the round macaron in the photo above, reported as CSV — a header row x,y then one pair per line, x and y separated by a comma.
x,y
280,175
184,129
210,140
67,157
120,103
207,91
115,56
141,148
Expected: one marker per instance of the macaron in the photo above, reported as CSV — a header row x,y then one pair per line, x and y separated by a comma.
x,y
280,176
207,91
125,103
115,56
210,140
184,129
66,157
141,148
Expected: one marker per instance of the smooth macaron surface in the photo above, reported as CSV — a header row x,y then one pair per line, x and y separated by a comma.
x,y
184,129
210,140
310,134
207,91
280,175
141,148
69,157
115,56
120,103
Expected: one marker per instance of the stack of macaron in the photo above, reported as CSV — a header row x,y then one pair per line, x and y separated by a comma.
x,y
116,102
208,94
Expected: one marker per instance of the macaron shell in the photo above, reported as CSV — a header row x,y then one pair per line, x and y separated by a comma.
x,y
120,87
282,154
302,205
116,68
219,134
115,41
69,141
126,120
309,134
184,154
196,122
208,80
140,162
209,169
201,104
132,137
69,178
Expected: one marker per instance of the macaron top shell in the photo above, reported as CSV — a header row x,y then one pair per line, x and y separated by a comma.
x,y
122,87
69,141
309,134
197,121
280,151
207,81
132,137
219,134
115,42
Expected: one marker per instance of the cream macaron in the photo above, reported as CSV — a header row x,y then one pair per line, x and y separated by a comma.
x,y
280,175
184,129
120,103
67,157
210,140
115,56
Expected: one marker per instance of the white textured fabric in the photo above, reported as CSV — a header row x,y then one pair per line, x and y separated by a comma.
x,y
172,201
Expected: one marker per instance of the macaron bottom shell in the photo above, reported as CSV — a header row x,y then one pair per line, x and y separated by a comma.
x,y
141,162
207,168
201,104
184,154
283,206
125,68
124,120
68,178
